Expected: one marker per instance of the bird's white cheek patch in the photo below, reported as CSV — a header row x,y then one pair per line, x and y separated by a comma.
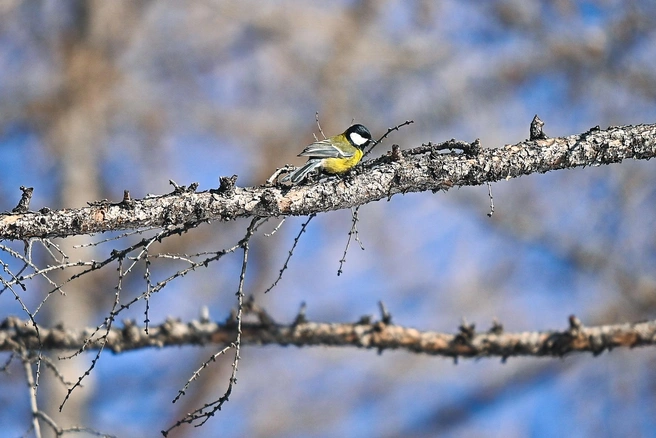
x,y
357,139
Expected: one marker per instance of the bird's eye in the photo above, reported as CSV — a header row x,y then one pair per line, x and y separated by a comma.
x,y
357,139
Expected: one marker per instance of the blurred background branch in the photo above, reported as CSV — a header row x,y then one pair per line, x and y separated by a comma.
x,y
17,336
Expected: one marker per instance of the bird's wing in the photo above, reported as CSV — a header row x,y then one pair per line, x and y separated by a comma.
x,y
323,149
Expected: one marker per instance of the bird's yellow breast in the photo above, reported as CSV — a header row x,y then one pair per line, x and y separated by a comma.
x,y
341,165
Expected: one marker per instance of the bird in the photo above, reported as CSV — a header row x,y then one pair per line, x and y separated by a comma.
x,y
333,155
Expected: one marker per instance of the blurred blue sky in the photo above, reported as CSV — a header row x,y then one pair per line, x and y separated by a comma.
x,y
193,92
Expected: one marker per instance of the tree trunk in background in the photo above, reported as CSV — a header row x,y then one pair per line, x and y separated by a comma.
x,y
77,132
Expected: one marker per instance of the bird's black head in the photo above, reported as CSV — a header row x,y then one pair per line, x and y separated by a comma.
x,y
358,136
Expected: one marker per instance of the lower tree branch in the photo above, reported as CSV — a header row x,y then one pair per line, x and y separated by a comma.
x,y
20,335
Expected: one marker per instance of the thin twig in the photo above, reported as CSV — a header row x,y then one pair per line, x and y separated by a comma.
x,y
389,131
27,260
49,364
103,339
489,193
275,230
209,409
353,233
148,288
120,236
316,117
196,373
291,252
34,406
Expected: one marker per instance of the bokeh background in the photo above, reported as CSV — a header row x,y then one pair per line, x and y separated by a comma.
x,y
101,96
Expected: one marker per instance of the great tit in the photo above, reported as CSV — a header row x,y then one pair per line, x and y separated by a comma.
x,y
335,154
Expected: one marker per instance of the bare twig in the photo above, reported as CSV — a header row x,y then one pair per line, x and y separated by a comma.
x,y
489,193
316,118
208,410
389,131
119,237
353,233
103,339
275,230
34,407
290,253
196,373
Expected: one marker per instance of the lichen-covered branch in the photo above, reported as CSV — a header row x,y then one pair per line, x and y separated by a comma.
x,y
19,335
415,170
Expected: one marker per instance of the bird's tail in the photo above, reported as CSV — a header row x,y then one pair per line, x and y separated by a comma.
x,y
300,173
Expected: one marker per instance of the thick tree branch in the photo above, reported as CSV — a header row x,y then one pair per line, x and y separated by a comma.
x,y
19,335
420,169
